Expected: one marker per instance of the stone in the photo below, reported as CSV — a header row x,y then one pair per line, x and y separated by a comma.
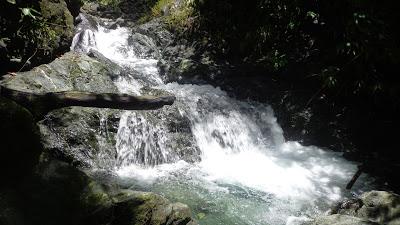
x,y
61,22
142,208
337,219
71,72
378,206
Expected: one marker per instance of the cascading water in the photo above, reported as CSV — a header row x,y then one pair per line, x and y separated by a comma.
x,y
238,169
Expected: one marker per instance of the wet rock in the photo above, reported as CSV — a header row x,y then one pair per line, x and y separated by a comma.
x,y
378,206
148,208
341,220
157,31
82,136
57,13
157,137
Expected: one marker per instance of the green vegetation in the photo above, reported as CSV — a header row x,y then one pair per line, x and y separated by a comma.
x,y
110,4
33,32
178,15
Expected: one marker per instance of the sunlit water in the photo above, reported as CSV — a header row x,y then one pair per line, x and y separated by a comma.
x,y
248,173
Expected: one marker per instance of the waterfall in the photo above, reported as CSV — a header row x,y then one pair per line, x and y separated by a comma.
x,y
224,157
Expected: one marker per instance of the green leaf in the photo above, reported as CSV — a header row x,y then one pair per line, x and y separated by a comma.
x,y
26,11
29,12
12,2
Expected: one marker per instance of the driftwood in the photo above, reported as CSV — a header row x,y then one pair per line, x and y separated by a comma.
x,y
355,177
40,104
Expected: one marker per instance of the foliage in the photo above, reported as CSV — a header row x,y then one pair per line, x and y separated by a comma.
x,y
350,46
178,15
26,34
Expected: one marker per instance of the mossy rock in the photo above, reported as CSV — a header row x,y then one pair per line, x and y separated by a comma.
x,y
61,22
142,208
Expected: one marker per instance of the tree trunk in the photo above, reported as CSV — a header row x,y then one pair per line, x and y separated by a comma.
x,y
40,104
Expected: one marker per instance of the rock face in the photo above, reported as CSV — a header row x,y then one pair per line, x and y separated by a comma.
x,y
374,207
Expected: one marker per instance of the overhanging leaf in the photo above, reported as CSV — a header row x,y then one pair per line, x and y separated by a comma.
x,y
12,2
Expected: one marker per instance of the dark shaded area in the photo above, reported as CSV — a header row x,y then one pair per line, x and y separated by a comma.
x,y
20,142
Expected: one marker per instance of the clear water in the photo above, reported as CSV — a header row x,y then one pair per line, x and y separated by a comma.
x,y
248,173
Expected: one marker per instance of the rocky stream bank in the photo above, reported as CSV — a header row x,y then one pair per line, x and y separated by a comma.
x,y
57,170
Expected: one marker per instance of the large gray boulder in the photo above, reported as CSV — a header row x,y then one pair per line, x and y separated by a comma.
x,y
83,136
86,137
71,72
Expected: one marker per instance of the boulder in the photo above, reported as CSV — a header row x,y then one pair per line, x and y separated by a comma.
x,y
378,206
373,207
77,135
71,72
141,208
61,22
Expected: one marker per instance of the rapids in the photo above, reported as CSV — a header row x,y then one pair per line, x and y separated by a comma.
x,y
244,171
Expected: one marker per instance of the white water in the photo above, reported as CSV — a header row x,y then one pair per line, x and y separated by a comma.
x,y
248,174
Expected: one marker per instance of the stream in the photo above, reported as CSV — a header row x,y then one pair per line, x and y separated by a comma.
x,y
227,159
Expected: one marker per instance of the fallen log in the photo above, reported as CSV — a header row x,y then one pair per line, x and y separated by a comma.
x,y
41,103
360,169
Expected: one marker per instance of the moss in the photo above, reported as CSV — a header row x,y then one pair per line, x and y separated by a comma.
x,y
159,8
58,24
178,16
